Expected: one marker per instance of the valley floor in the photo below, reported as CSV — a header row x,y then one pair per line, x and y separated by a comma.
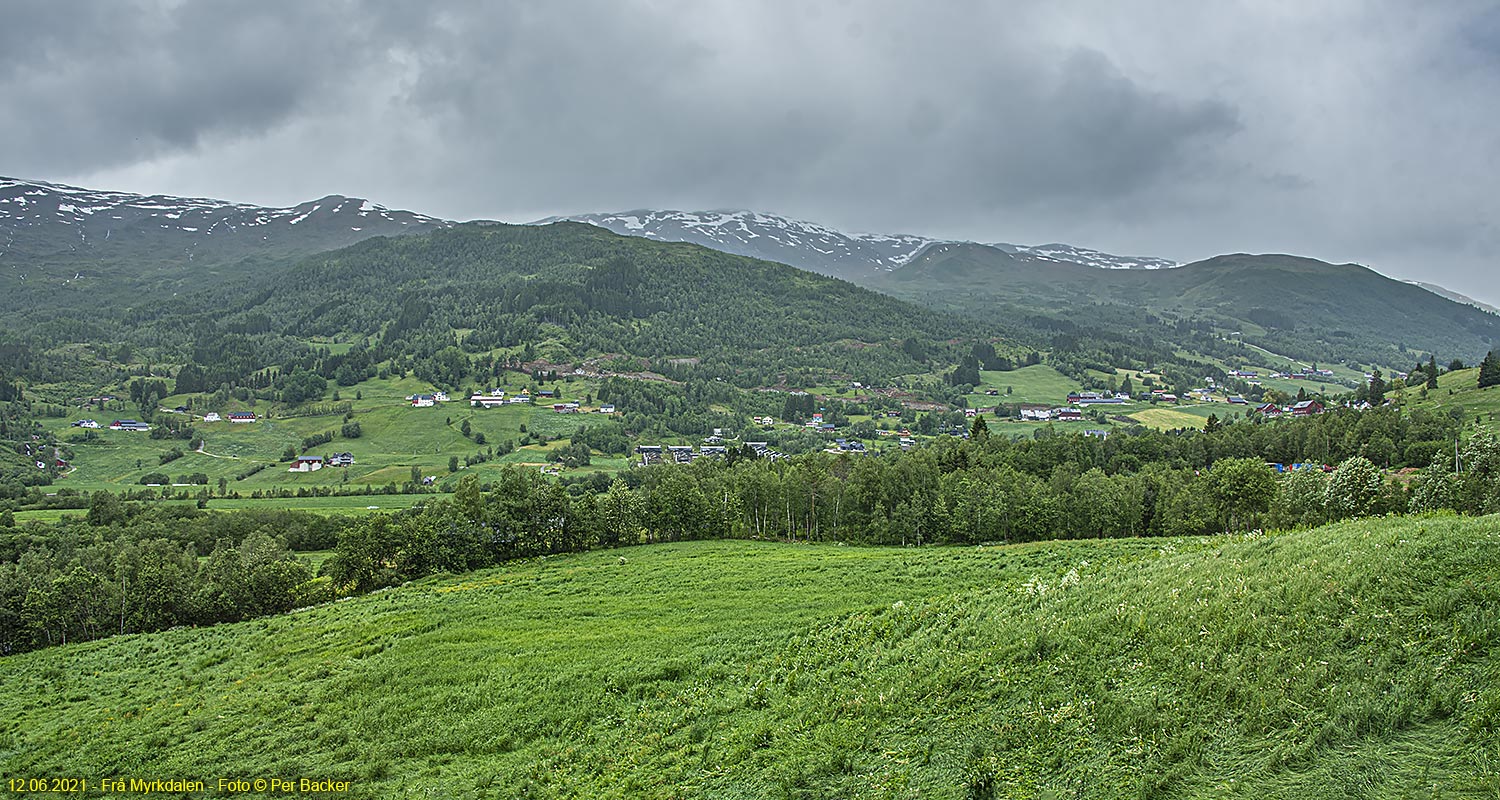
x,y
1348,661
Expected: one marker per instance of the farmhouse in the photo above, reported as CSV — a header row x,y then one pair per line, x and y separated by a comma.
x,y
307,464
128,425
565,408
1236,400
649,453
242,416
1068,414
86,423
1307,408
212,416
490,400
1269,410
423,401
341,460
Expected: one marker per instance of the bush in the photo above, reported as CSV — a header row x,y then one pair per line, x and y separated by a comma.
x,y
1353,490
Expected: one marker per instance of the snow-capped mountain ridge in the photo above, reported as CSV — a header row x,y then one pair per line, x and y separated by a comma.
x,y
819,248
23,201
58,235
804,244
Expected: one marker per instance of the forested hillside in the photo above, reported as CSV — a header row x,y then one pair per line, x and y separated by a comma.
x,y
1299,307
564,293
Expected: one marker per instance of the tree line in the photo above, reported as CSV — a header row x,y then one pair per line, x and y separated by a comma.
x,y
130,567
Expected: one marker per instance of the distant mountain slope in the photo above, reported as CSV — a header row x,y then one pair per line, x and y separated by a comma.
x,y
1299,306
818,248
57,239
1455,296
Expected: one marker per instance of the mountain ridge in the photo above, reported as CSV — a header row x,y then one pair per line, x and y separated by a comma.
x,y
55,236
819,248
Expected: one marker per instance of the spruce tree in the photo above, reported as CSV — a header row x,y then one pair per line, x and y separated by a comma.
x,y
1489,371
1377,388
1432,372
980,430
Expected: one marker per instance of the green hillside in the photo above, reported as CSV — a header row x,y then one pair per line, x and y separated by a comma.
x,y
1350,661
1300,307
585,291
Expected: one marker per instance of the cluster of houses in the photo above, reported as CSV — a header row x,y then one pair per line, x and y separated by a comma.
x,y
817,424
315,463
427,400
1306,373
1046,414
1097,398
137,425
686,454
1302,408
677,454
495,398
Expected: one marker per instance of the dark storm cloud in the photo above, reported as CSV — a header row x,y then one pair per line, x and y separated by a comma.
x,y
1345,130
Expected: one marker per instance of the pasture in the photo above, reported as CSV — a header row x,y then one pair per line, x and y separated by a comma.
x,y
1349,661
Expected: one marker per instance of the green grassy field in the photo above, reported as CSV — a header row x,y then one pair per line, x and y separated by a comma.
x,y
348,504
1038,383
1467,399
1350,661
395,437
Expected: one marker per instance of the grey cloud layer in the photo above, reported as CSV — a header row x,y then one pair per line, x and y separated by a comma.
x,y
1348,131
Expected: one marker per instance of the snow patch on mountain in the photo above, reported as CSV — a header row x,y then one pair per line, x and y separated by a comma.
x,y
819,248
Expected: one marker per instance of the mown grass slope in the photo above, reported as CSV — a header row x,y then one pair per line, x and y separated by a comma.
x,y
1349,661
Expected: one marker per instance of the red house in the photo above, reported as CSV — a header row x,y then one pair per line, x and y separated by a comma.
x,y
1307,408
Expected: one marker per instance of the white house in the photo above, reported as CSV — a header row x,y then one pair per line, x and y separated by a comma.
x,y
212,416
423,401
607,408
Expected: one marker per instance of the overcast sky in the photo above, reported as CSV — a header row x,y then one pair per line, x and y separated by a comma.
x,y
1361,131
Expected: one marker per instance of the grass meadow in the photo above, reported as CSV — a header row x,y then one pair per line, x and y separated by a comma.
x,y
395,437
1350,661
1037,383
